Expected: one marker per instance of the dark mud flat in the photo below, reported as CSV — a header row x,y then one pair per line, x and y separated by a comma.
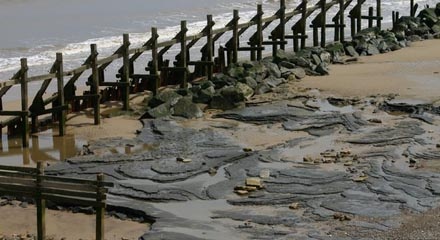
x,y
350,178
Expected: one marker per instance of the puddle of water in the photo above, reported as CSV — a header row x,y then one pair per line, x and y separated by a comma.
x,y
44,146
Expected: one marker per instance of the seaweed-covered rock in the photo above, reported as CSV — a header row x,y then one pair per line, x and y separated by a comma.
x,y
186,108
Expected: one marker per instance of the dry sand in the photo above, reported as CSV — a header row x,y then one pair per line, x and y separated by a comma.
x,y
412,72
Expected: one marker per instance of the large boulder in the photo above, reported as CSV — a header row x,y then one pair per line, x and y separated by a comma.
x,y
282,55
247,91
166,96
273,69
429,16
186,108
228,98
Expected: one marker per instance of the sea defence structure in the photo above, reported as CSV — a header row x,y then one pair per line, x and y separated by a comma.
x,y
272,31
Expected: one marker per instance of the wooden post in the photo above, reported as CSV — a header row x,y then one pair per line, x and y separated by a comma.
x,y
183,55
221,59
259,31
315,36
379,14
341,21
209,46
235,37
323,23
352,25
412,12
126,73
100,211
41,204
95,84
24,102
154,70
370,17
60,85
303,23
359,16
282,26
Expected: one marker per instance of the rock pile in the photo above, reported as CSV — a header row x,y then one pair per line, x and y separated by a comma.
x,y
244,79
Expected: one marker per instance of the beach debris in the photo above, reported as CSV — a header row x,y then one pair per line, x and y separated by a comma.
x,y
184,160
254,182
374,120
212,171
247,150
264,173
341,217
294,206
360,178
412,162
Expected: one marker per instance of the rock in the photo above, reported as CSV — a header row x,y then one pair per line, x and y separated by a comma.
x,y
212,171
372,50
250,81
264,173
186,108
428,16
247,91
247,149
336,48
184,160
286,64
302,62
375,120
221,80
437,145
228,98
163,110
262,88
412,162
166,96
322,69
241,192
273,69
316,59
360,179
294,206
236,71
254,182
24,205
351,51
308,159
414,38
273,81
282,55
204,95
325,57
341,217
298,72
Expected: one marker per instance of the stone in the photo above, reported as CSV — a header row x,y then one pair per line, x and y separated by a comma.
x,y
322,69
282,55
316,59
262,88
236,72
273,81
254,181
325,57
414,38
221,80
184,160
186,108
247,91
250,81
298,72
228,98
302,62
264,173
286,64
341,217
360,179
241,192
163,110
375,120
372,50
351,51
169,96
273,69
24,205
294,206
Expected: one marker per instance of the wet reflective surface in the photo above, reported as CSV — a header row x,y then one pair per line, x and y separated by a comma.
x,y
44,146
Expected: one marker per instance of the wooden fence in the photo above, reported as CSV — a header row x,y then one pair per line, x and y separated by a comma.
x,y
159,70
31,182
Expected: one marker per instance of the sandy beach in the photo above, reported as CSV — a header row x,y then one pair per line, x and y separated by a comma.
x,y
411,73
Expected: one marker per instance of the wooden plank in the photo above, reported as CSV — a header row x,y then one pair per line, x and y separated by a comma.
x,y
75,181
17,174
94,87
12,113
18,180
71,200
18,169
42,77
125,77
30,189
8,83
16,193
69,186
69,193
109,59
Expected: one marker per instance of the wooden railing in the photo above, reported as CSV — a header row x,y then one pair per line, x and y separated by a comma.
x,y
159,71
31,182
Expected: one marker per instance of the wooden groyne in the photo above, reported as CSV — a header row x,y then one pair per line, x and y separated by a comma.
x,y
160,71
